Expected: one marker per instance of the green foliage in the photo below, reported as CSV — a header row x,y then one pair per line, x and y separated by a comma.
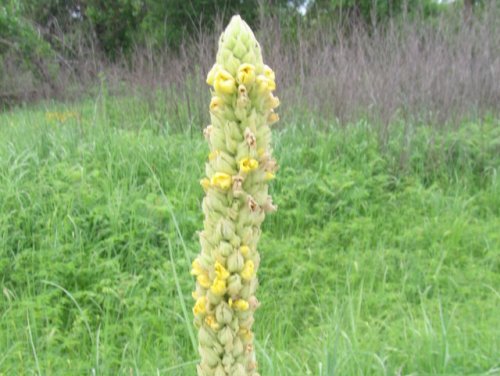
x,y
382,259
370,11
20,40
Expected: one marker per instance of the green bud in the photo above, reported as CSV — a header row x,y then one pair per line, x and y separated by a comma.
x,y
235,262
223,313
225,336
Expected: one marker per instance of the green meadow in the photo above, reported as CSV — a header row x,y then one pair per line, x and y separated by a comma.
x,y
382,259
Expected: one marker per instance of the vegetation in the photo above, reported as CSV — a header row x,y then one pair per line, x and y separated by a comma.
x,y
383,257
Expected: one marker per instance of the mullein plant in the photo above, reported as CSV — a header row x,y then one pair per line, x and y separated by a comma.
x,y
238,170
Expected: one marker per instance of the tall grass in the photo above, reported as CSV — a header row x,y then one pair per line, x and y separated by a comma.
x,y
367,268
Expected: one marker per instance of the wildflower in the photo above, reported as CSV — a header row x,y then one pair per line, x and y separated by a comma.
x,y
201,306
238,304
212,322
203,280
248,270
221,180
248,164
235,204
246,334
269,73
269,176
218,287
196,268
224,83
211,74
246,74
244,249
272,118
205,183
215,104
221,272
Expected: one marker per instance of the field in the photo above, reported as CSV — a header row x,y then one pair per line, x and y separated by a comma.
x,y
383,258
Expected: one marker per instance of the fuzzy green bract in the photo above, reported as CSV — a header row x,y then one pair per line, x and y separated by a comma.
x,y
239,167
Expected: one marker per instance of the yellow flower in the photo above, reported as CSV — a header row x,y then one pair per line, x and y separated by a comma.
x,y
216,103
220,271
246,74
248,164
265,84
211,322
273,101
194,294
196,268
205,183
269,176
246,334
201,306
269,73
244,249
248,270
211,74
238,304
219,286
224,83
203,280
213,154
272,118
221,180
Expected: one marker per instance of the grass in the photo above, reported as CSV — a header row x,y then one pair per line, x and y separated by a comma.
x,y
383,259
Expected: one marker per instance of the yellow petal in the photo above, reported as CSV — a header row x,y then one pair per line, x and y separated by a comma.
x,y
216,104
211,74
203,280
224,83
244,249
269,73
205,183
272,118
248,164
212,322
196,268
221,180
269,176
218,287
248,270
239,304
220,271
201,306
246,74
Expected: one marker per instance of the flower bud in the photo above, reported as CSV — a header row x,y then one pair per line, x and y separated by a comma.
x,y
246,74
238,370
248,270
234,285
221,180
206,337
219,371
235,262
209,356
224,83
225,336
223,313
211,74
237,347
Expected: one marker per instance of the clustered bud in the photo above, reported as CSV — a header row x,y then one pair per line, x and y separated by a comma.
x,y
238,170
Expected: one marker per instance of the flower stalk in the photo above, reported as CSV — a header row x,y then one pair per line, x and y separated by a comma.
x,y
238,170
